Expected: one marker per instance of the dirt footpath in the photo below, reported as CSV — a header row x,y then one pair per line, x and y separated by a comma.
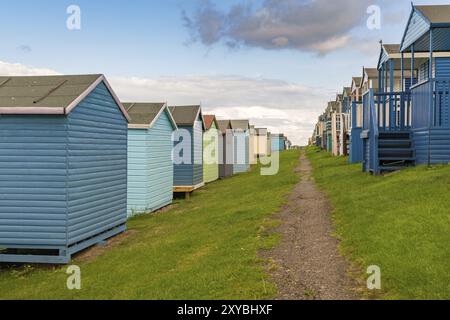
x,y
307,264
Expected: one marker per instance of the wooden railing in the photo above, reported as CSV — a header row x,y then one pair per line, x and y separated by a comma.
x,y
441,106
438,93
393,111
420,94
370,131
373,134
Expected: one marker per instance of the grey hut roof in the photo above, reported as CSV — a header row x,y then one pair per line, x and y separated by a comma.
x,y
186,115
143,114
48,94
223,125
240,124
435,13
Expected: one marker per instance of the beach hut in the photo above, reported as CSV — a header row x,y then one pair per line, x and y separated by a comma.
x,y
269,143
345,121
278,143
63,166
211,149
261,142
253,147
241,134
188,148
411,126
356,142
150,168
226,149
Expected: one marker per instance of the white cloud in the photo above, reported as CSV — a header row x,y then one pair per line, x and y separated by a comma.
x,y
280,106
17,69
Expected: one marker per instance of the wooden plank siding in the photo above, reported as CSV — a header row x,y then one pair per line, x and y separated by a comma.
x,y
416,28
211,154
191,174
33,204
63,178
241,154
97,170
150,168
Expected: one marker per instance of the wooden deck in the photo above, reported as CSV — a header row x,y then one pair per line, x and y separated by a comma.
x,y
187,189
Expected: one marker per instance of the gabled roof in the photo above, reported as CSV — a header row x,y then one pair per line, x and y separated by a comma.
x,y
420,21
209,120
356,81
240,124
57,95
143,115
368,74
224,125
347,91
387,52
435,13
187,115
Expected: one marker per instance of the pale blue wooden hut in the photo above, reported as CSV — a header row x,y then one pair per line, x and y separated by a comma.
x,y
150,168
188,148
241,134
278,142
63,166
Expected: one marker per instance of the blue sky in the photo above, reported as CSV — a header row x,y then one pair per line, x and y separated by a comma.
x,y
146,43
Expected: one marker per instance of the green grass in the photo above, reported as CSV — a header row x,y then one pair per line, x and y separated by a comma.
x,y
400,222
204,248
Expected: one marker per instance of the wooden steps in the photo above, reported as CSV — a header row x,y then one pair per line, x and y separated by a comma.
x,y
395,151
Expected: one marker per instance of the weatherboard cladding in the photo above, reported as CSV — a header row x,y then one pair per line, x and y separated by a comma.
x,y
226,149
190,174
150,167
63,178
417,27
278,143
211,152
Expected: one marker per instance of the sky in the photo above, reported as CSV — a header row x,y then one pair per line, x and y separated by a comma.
x,y
275,62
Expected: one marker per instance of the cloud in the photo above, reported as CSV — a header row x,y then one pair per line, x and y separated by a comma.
x,y
278,105
318,26
24,48
17,69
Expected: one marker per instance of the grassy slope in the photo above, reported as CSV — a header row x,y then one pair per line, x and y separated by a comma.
x,y
205,248
399,222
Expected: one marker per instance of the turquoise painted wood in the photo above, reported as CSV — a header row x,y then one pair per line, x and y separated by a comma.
x,y
278,143
150,168
63,178
191,174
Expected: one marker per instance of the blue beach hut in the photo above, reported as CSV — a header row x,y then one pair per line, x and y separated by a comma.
x,y
188,148
63,166
150,168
